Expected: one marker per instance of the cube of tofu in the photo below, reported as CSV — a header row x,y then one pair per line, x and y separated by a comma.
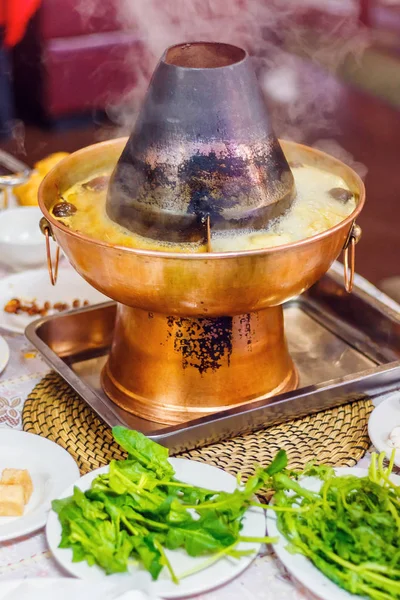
x,y
11,500
18,477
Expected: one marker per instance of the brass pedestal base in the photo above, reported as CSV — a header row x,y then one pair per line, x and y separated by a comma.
x,y
173,369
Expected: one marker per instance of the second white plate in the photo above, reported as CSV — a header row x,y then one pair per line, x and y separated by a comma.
x,y
35,285
51,469
221,572
301,567
384,418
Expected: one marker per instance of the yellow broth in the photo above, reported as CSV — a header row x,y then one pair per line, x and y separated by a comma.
x,y
314,210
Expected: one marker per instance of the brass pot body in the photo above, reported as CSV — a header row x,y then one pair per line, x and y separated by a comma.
x,y
196,333
185,367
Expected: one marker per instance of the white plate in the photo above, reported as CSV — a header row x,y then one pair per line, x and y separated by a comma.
x,y
64,588
301,567
35,285
384,418
51,469
217,574
4,353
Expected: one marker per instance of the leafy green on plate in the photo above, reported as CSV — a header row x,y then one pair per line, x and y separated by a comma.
x,y
138,509
349,528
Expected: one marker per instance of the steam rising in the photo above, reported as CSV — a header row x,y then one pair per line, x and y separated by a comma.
x,y
334,149
18,136
279,34
276,33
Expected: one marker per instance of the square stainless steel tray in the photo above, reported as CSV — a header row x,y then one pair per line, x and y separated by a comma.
x,y
345,346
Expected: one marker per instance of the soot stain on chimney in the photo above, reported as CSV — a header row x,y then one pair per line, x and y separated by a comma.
x,y
204,175
203,343
245,329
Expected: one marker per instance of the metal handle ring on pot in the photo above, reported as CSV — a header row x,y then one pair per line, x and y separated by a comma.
x,y
47,232
350,248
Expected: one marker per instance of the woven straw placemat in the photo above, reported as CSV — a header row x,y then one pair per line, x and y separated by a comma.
x,y
336,437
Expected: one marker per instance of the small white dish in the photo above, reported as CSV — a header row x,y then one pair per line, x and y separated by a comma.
x,y
64,588
384,418
36,285
301,567
4,354
51,469
22,244
217,574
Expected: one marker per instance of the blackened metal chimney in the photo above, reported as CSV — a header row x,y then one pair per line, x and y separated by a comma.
x,y
202,151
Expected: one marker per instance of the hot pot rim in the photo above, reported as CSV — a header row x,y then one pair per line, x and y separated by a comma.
x,y
201,256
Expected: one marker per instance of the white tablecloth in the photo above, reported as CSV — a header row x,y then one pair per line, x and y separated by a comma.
x,y
30,557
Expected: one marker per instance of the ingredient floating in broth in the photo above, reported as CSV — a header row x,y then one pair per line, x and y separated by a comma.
x,y
322,201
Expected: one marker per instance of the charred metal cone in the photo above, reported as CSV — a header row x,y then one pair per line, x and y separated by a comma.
x,y
202,148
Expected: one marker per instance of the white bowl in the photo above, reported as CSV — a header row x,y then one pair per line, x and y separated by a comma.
x,y
22,244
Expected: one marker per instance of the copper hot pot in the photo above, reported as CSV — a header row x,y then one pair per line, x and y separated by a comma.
x,y
196,333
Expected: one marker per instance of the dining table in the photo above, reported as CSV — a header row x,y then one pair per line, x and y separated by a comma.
x,y
30,557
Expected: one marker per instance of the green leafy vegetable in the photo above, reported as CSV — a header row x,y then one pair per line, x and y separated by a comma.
x,y
138,509
349,529
152,456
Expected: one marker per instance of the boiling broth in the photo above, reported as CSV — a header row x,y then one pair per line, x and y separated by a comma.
x,y
323,200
